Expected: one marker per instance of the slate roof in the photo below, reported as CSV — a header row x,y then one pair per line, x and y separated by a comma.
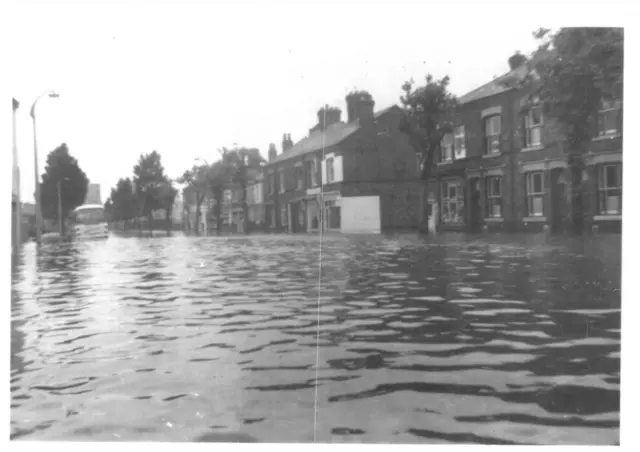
x,y
334,134
495,86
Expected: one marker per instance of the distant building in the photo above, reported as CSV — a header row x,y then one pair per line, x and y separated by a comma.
x,y
93,194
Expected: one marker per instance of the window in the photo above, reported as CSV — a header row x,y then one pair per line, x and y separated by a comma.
x,y
452,202
299,175
492,135
310,173
609,118
459,145
272,216
330,172
535,194
494,197
281,180
533,126
284,219
271,183
301,213
446,148
610,189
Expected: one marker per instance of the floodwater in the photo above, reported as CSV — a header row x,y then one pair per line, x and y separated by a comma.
x,y
455,339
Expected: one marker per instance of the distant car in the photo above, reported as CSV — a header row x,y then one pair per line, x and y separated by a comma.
x,y
88,222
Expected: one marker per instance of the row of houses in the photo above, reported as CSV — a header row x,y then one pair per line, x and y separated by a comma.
x,y
503,168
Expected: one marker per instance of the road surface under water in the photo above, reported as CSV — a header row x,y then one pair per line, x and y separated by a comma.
x,y
493,340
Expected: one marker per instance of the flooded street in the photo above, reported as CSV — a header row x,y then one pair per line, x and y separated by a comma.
x,y
492,340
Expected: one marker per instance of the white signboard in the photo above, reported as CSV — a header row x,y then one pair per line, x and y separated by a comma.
x,y
360,214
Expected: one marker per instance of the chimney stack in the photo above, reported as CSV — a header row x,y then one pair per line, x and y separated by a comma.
x,y
327,116
273,153
516,60
286,142
360,106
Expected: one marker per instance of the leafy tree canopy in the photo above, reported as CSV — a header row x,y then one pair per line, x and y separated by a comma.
x,y
572,72
150,183
429,113
64,168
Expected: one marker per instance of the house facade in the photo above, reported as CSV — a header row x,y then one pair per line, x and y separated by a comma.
x,y
356,176
504,167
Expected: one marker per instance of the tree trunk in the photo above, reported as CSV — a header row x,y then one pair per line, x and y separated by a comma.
x,y
423,212
217,210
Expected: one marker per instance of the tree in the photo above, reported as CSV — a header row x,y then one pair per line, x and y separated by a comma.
x,y
572,72
197,185
150,182
123,201
429,112
244,165
63,169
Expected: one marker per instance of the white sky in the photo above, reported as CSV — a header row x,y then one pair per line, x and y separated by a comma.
x,y
186,80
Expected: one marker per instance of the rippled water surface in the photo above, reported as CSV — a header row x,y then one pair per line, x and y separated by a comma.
x,y
454,339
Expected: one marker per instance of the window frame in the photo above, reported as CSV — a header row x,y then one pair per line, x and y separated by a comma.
x,y
447,201
604,189
615,108
492,198
535,105
281,184
329,166
284,216
493,138
446,146
532,195
459,137
299,172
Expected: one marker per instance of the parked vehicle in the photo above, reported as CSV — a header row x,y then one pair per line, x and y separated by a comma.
x,y
88,222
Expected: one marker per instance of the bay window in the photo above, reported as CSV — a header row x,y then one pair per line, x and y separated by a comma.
x,y
535,194
452,201
610,189
494,197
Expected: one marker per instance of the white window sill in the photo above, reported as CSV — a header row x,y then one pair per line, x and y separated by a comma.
x,y
607,137
448,162
492,155
534,219
494,220
538,147
607,218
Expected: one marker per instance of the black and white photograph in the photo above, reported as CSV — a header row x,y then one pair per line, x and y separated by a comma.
x,y
278,222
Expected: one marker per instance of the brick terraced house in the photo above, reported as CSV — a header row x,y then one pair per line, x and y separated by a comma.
x,y
355,176
503,167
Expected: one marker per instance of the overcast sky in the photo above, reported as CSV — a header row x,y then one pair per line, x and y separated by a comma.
x,y
186,80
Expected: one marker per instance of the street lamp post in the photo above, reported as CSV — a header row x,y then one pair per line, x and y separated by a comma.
x,y
16,181
51,94
60,219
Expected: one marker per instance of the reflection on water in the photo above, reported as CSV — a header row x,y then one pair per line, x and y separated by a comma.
x,y
511,341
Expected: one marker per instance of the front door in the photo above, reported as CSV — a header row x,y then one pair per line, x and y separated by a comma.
x,y
558,200
475,206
